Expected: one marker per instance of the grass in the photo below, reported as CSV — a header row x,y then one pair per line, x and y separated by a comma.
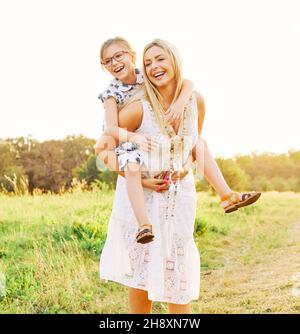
x,y
50,247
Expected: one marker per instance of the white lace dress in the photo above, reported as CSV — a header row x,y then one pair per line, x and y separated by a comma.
x,y
169,267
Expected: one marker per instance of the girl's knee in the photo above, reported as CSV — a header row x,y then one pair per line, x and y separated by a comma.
x,y
104,143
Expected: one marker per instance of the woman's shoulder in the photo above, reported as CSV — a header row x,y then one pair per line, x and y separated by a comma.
x,y
135,106
131,115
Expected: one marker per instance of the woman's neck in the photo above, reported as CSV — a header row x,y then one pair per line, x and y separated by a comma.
x,y
131,78
167,92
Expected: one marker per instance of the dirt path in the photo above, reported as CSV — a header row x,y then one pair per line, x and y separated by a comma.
x,y
272,285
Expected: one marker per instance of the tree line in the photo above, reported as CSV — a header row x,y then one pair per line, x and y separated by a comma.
x,y
52,165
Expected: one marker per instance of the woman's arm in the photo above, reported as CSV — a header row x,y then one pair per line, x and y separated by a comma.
x,y
201,115
201,111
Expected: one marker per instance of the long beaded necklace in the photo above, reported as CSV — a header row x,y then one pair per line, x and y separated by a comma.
x,y
176,141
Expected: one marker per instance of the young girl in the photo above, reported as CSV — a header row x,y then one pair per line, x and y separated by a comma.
x,y
118,58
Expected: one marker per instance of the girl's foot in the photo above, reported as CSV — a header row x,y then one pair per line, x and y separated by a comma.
x,y
234,201
145,234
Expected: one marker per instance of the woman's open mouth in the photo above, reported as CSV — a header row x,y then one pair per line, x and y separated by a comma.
x,y
159,75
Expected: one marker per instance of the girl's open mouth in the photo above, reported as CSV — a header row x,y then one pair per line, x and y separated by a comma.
x,y
119,69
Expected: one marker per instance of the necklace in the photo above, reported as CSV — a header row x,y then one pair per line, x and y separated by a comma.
x,y
176,141
176,145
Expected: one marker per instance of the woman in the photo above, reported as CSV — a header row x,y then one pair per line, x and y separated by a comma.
x,y
168,269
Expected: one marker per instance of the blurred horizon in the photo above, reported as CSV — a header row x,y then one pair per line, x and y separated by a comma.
x,y
63,138
242,56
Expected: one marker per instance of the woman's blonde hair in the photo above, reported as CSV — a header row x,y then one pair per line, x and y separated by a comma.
x,y
152,93
118,40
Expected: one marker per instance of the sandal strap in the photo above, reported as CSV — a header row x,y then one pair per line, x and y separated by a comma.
x,y
145,228
245,196
149,225
232,198
141,233
226,197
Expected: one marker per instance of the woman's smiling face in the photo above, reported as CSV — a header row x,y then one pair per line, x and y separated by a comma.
x,y
122,65
158,66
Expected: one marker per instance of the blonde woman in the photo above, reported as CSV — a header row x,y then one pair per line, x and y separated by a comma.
x,y
167,269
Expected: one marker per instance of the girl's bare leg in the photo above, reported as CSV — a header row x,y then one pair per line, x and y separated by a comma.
x,y
210,169
179,308
136,193
139,302
105,152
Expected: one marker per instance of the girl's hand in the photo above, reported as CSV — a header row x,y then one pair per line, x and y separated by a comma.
x,y
157,185
145,142
174,114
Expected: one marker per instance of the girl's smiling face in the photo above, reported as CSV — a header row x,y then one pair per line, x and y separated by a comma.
x,y
158,66
122,65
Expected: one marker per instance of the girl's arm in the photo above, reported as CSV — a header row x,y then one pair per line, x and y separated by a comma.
x,y
186,91
177,108
121,134
111,118
129,117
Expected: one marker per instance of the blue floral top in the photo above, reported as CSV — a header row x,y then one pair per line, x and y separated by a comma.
x,y
121,91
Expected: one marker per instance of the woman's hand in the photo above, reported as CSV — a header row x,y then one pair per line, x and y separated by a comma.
x,y
157,185
160,185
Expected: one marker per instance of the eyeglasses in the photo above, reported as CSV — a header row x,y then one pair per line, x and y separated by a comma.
x,y
118,56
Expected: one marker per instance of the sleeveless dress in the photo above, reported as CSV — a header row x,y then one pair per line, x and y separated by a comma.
x,y
168,268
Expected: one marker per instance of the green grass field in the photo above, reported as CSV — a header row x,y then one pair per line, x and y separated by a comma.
x,y
50,247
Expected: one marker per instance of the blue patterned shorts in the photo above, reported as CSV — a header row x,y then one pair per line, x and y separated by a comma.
x,y
128,152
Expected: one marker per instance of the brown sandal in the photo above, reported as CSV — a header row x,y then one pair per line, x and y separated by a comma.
x,y
232,201
145,234
248,199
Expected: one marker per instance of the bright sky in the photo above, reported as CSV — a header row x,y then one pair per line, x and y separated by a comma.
x,y
243,56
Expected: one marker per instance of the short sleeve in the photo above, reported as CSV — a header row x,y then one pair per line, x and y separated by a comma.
x,y
110,91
